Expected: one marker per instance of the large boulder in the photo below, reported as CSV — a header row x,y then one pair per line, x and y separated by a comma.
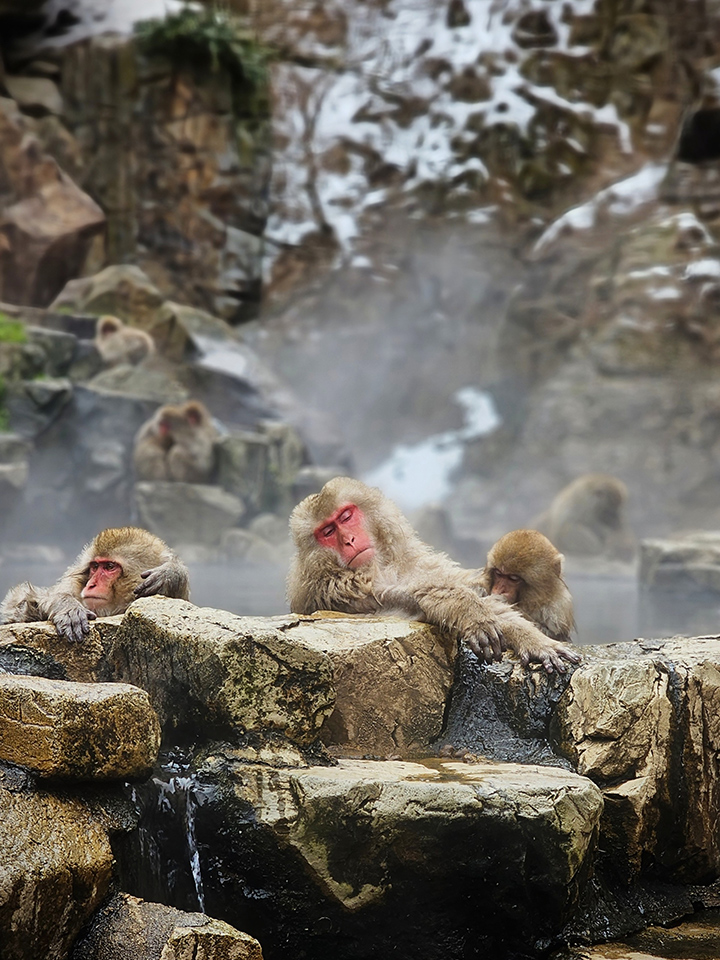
x,y
639,719
687,564
367,858
187,513
56,868
77,731
215,672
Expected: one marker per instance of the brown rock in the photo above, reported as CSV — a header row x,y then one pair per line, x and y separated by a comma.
x,y
128,927
77,730
217,671
392,679
55,870
47,224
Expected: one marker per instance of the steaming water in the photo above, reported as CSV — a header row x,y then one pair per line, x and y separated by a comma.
x,y
607,608
416,475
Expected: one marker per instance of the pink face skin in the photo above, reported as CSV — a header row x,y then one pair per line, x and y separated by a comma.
x,y
506,585
344,532
99,590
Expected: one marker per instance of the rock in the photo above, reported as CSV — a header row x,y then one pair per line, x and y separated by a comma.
x,y
47,224
77,731
386,841
60,349
245,545
261,466
685,564
56,868
35,95
698,937
36,648
127,926
214,671
34,405
642,724
122,290
186,512
392,680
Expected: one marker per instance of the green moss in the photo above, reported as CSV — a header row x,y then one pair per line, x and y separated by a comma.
x,y
206,39
11,331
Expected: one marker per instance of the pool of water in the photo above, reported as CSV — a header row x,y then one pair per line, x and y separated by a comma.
x,y
607,609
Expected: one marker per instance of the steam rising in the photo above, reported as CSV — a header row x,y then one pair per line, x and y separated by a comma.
x,y
416,475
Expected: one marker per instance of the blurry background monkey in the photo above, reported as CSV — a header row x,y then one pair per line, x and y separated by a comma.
x,y
357,553
526,569
120,565
587,518
177,443
118,343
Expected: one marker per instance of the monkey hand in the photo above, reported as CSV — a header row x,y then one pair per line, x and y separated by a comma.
x,y
163,580
486,644
553,655
71,618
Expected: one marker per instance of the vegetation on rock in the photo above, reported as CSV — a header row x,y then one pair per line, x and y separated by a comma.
x,y
209,38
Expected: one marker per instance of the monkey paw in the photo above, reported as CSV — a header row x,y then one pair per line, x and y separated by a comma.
x,y
73,623
552,656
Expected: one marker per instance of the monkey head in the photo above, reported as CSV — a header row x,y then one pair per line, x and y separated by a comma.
x,y
349,525
522,562
107,325
114,563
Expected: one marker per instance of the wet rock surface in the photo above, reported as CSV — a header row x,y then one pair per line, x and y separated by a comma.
x,y
365,857
56,867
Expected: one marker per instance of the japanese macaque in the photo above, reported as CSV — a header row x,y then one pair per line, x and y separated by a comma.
x,y
177,443
356,553
526,569
118,343
587,518
120,565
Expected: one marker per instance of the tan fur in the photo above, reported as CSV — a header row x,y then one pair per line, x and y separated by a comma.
x,y
184,453
587,518
543,595
135,549
117,343
405,575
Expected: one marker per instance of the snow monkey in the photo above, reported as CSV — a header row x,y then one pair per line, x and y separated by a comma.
x,y
526,569
357,553
118,343
117,567
177,443
587,518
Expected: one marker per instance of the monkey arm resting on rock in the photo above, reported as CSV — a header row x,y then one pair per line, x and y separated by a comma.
x,y
357,553
118,566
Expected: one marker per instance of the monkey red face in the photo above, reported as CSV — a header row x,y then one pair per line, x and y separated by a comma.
x,y
100,588
506,585
344,532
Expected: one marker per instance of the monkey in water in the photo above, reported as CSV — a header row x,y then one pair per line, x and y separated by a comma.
x,y
526,569
587,518
118,566
117,343
357,553
177,443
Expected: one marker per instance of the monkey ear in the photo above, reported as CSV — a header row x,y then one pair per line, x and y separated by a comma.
x,y
558,564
